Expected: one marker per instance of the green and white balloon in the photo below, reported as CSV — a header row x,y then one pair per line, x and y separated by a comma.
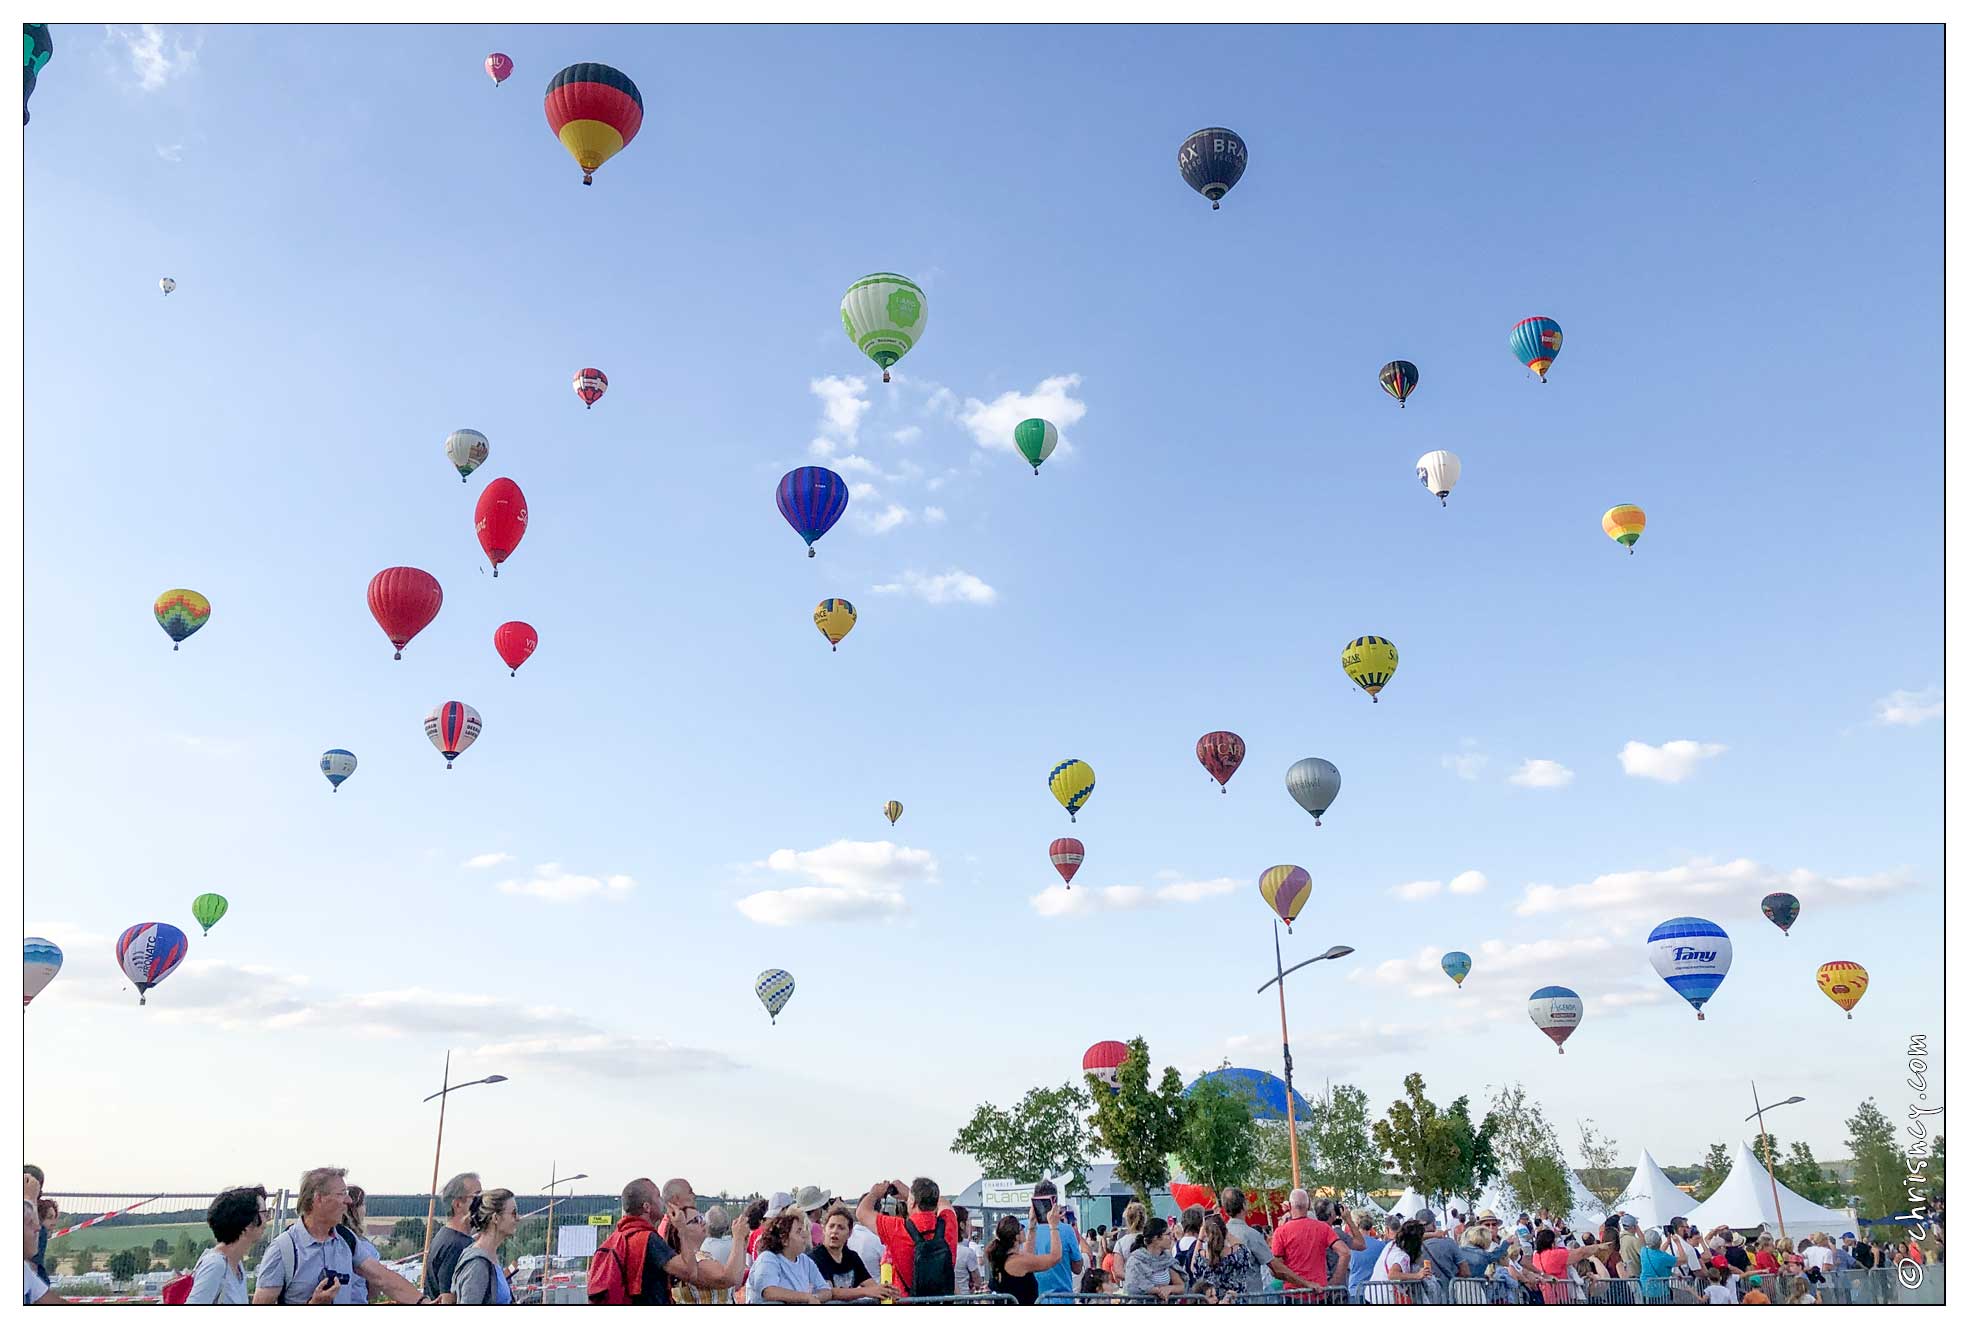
x,y
1036,439
884,314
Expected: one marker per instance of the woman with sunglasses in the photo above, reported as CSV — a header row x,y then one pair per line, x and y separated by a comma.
x,y
237,1218
478,1280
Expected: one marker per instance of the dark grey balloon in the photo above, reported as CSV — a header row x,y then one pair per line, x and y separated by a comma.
x,y
1212,160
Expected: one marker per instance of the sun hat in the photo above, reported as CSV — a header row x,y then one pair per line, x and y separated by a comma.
x,y
812,1198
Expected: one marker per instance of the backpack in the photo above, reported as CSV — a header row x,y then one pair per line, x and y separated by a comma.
x,y
608,1282
177,1291
935,1273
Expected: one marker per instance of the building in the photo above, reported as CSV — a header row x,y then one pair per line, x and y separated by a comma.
x,y
1101,1205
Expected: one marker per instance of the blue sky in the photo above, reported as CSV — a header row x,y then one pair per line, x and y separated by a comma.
x,y
374,246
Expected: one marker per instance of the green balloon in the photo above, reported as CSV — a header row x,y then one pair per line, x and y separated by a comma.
x,y
208,909
1036,439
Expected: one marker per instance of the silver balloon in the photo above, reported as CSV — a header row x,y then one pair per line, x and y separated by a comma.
x,y
1313,783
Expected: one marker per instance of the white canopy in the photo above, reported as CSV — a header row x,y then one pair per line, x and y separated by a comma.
x,y
1409,1205
1744,1201
1652,1197
1587,1211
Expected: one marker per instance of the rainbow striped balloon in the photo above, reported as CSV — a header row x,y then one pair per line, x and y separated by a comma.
x,y
1624,523
181,613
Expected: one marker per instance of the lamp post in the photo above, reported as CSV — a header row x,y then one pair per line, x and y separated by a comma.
x,y
557,1180
1763,1138
1285,1040
443,1095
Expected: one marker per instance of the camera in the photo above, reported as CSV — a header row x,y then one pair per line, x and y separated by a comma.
x,y
1042,1205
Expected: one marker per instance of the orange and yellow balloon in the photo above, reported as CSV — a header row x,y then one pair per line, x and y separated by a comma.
x,y
1286,888
835,619
1844,982
1624,523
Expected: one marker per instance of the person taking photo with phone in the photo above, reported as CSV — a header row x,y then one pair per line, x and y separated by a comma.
x,y
1012,1258
919,1247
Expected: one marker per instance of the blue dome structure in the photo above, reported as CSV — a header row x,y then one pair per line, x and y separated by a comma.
x,y
1265,1091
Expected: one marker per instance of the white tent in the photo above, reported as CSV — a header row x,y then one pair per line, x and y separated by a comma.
x,y
1744,1201
1587,1211
1409,1205
1652,1197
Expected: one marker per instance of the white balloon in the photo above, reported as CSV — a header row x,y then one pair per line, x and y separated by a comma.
x,y
1439,471
166,285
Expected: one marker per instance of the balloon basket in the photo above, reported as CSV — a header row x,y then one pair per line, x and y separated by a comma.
x,y
174,645
1562,1052
397,656
1699,1015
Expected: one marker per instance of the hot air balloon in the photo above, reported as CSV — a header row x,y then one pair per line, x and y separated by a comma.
x,y
41,960
1221,753
1535,341
1370,662
1398,380
835,619
1557,1012
595,111
1067,854
812,499
181,613
1286,888
1103,1062
892,810
452,726
500,520
1624,523
589,385
1036,439
208,909
148,952
1692,955
1071,782
338,764
1844,982
467,449
1212,160
884,314
403,602
515,642
36,47
1781,907
1457,965
773,988
1439,471
166,285
1313,782
499,67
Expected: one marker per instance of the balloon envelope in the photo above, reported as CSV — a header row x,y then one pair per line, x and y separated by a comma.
x,y
1557,1012
1439,471
452,726
180,613
1535,341
338,764
467,450
1103,1061
773,988
404,601
208,909
1844,982
1624,523
1398,379
1072,783
1067,854
595,111
1457,965
1781,907
499,67
1036,440
1221,753
812,499
166,285
500,520
1370,662
1692,955
892,810
41,960
1212,161
147,953
1285,888
1313,782
515,642
589,385
884,314
1264,1092
835,618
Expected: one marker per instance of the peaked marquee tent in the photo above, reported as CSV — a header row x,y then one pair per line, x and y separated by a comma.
x,y
1744,1201
1652,1197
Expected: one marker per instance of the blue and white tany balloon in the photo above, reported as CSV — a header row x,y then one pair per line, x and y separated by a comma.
x,y
774,988
1692,955
338,764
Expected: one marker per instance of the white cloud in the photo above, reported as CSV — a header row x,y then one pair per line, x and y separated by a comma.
x,y
1059,902
933,516
859,879
1542,773
953,587
604,1055
154,58
550,882
71,937
1415,890
991,423
1671,763
907,434
1633,997
1902,707
819,904
491,860
1422,973
883,521
856,464
1468,883
171,152
1466,765
842,407
1738,883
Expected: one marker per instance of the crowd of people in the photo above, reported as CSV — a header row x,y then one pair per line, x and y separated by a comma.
x,y
900,1242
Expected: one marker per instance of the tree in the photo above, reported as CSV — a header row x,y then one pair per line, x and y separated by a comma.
x,y
1271,1170
1599,1164
1528,1153
1715,1167
1426,1144
1218,1143
1541,1184
1476,1154
160,1247
125,1265
1044,1136
1347,1158
85,1260
1802,1173
1877,1187
187,1252
1137,1125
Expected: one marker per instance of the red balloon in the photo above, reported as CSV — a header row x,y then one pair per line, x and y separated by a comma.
x,y
1103,1061
1066,854
1221,753
515,642
404,601
500,520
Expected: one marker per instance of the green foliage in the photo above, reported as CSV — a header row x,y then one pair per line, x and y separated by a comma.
x,y
1476,1152
1218,1142
1540,1183
1529,1157
160,1247
1139,1126
1346,1158
1801,1172
84,1259
126,1264
1437,1151
1044,1136
1599,1166
1271,1167
1715,1167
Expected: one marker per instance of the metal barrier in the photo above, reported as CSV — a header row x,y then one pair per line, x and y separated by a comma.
x,y
1297,1296
1402,1292
962,1299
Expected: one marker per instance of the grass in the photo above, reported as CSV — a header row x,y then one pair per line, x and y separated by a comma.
x,y
115,1237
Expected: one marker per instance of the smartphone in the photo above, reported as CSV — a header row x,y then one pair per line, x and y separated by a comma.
x,y
1041,1206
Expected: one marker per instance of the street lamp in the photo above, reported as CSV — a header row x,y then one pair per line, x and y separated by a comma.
x,y
1285,1041
443,1095
1764,1138
558,1180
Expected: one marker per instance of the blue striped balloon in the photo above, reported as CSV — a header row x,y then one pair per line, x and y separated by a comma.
x,y
1692,955
773,988
812,499
1535,341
